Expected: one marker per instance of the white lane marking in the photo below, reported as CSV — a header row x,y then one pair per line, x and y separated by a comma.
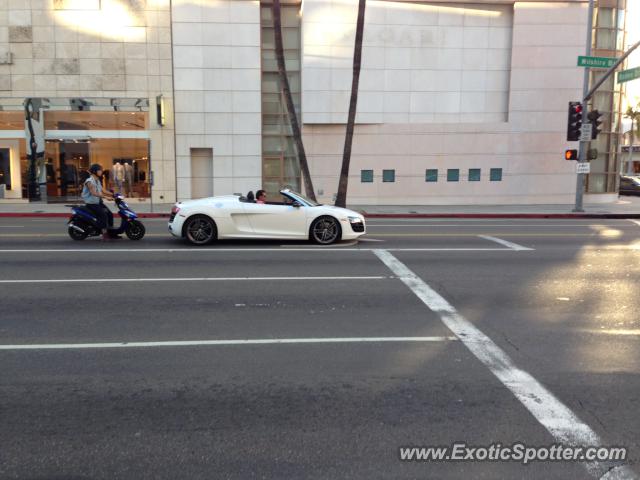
x,y
195,343
622,472
350,243
613,331
501,225
502,221
637,222
462,249
595,248
294,249
511,245
191,279
556,417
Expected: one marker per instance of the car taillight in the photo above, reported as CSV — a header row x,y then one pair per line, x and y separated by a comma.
x,y
175,210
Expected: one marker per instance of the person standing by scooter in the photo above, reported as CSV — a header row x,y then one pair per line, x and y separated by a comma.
x,y
92,194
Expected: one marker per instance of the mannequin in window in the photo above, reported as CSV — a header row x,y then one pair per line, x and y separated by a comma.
x,y
118,173
128,179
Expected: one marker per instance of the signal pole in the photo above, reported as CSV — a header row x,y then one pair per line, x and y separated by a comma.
x,y
582,149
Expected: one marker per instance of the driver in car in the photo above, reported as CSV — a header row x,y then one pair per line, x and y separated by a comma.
x,y
261,197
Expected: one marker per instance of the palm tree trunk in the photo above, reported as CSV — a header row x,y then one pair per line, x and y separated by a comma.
x,y
341,197
286,91
630,162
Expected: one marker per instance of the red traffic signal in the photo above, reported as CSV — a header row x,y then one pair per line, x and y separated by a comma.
x,y
571,154
574,121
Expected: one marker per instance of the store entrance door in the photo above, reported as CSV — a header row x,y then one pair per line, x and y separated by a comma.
x,y
5,171
67,163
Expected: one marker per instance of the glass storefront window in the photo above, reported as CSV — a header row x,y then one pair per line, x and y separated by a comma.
x,y
280,165
71,134
605,17
90,120
11,121
597,183
125,162
606,38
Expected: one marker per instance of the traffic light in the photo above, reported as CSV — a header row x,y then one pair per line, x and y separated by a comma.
x,y
574,122
594,120
571,154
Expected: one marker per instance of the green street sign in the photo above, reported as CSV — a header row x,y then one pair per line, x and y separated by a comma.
x,y
596,62
626,75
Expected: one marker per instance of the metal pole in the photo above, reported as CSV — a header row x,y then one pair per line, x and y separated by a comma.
x,y
151,181
582,151
630,162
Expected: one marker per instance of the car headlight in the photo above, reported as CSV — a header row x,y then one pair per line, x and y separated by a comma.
x,y
355,220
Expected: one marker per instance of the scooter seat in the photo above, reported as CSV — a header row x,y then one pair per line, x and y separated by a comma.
x,y
84,211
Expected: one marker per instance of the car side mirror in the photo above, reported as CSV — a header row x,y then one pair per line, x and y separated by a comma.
x,y
296,204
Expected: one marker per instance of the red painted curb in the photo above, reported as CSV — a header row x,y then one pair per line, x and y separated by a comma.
x,y
67,215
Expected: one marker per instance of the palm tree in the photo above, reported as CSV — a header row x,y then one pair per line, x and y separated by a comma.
x,y
286,91
341,197
634,115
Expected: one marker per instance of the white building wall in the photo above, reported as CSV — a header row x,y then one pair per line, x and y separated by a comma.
x,y
421,62
218,91
527,141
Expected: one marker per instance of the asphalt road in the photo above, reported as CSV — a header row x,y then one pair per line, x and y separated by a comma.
x,y
285,360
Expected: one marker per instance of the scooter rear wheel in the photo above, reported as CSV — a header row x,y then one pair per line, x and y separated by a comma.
x,y
135,230
77,234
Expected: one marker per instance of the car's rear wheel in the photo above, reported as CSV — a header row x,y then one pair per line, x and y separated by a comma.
x,y
200,230
325,230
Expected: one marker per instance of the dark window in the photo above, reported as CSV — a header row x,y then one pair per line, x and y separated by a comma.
x,y
496,175
453,175
388,175
474,174
431,175
366,176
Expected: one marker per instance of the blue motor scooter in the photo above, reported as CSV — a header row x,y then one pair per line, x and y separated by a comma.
x,y
83,222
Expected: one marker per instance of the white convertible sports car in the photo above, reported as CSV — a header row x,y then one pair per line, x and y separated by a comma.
x,y
294,217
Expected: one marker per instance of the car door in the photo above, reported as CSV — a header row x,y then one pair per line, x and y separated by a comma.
x,y
625,185
277,220
229,215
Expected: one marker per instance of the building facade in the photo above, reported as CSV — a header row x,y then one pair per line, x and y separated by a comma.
x,y
459,102
82,80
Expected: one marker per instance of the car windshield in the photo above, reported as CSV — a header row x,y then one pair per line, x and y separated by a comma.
x,y
302,197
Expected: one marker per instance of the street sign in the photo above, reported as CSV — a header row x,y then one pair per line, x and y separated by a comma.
x,y
626,75
585,132
596,62
583,167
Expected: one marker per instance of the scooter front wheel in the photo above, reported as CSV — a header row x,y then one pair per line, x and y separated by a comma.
x,y
135,230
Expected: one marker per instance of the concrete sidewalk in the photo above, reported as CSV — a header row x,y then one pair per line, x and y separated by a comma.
x,y
625,207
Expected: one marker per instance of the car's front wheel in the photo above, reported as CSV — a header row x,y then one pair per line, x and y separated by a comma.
x,y
200,230
325,230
